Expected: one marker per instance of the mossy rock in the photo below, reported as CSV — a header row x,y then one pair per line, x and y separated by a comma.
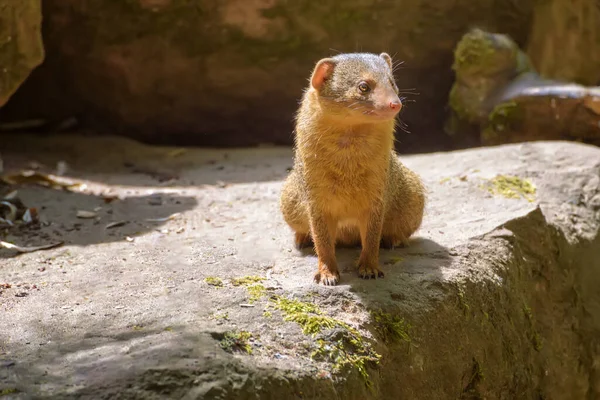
x,y
499,98
21,47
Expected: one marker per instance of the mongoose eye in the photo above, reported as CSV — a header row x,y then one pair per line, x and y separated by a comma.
x,y
364,87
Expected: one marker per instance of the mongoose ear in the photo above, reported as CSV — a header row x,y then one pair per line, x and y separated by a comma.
x,y
323,71
387,59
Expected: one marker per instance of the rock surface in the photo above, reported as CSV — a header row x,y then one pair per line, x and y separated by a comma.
x,y
230,72
564,42
21,47
496,297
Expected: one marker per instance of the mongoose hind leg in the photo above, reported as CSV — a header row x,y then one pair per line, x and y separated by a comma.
x,y
294,211
303,240
391,242
405,208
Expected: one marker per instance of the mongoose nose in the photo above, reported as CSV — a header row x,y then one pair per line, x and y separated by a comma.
x,y
395,105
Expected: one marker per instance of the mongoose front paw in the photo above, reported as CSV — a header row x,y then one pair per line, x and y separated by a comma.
x,y
369,271
327,277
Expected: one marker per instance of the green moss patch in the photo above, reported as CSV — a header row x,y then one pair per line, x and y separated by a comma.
x,y
7,391
512,187
347,349
246,280
237,342
256,292
504,117
221,316
255,289
391,328
475,48
214,281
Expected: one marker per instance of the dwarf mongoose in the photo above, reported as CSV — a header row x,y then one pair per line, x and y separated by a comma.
x,y
347,185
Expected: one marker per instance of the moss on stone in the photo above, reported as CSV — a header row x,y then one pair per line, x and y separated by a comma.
x,y
471,391
476,48
455,103
237,341
247,280
214,281
391,328
348,349
504,117
484,62
512,187
256,292
534,336
7,391
221,316
504,113
307,315
255,289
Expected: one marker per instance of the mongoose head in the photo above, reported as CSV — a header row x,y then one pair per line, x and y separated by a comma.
x,y
357,86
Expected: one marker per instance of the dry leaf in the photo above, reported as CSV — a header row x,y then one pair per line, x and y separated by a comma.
x,y
172,216
38,178
115,224
86,214
12,211
30,249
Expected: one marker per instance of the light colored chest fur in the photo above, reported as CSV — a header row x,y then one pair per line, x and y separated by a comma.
x,y
346,173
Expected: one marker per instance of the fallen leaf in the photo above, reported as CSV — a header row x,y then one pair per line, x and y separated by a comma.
x,y
172,216
6,222
115,224
30,249
86,214
38,178
12,195
29,216
11,216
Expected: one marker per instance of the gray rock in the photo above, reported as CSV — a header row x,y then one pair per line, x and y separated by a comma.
x,y
496,297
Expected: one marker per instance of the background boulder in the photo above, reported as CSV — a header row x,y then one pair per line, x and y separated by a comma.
x,y
21,48
230,72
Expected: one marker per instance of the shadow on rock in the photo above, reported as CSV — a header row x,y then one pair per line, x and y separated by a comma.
x,y
420,263
84,219
118,161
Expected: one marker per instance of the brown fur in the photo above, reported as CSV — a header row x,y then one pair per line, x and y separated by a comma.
x,y
347,186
